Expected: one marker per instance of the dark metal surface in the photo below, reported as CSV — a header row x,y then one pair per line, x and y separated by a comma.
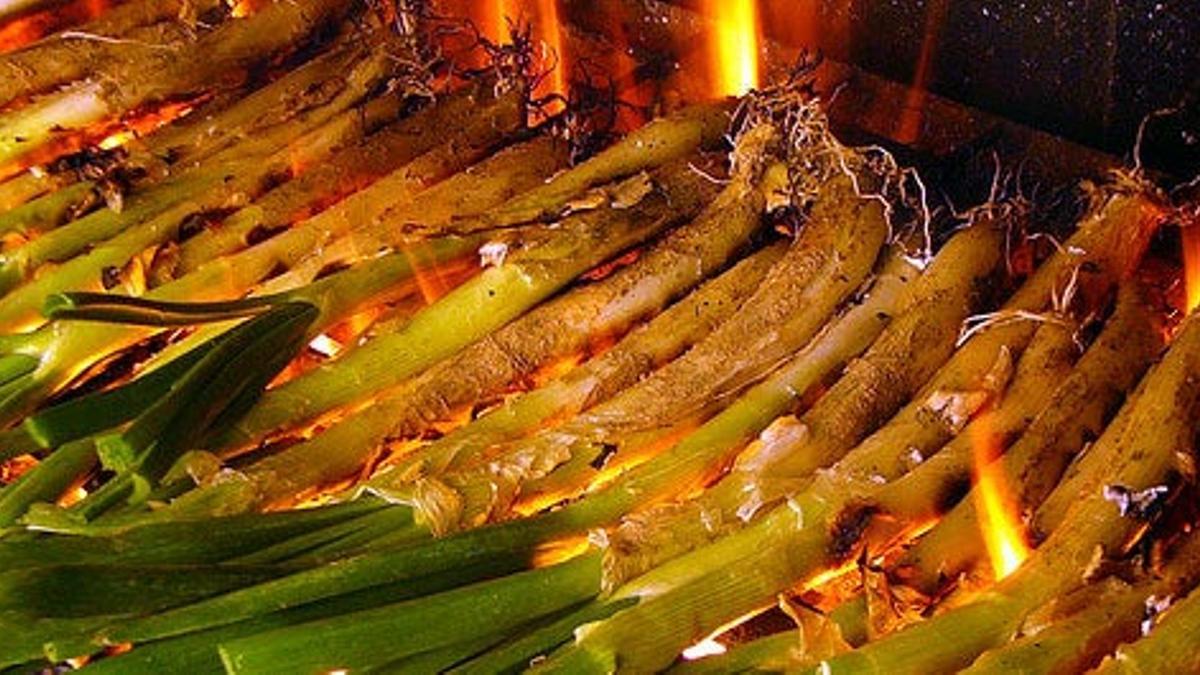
x,y
1087,70
879,104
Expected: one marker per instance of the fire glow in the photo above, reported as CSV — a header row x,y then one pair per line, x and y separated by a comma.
x,y
28,28
734,45
500,18
1190,236
912,117
997,510
239,9
495,20
553,55
105,135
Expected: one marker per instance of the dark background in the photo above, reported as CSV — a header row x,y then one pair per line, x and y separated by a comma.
x,y
1088,70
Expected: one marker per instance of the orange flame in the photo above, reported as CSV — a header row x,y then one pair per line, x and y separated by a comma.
x,y
499,17
621,462
999,521
540,497
554,56
734,39
1190,237
72,496
30,28
242,8
16,467
142,124
431,279
558,551
115,140
913,115
21,32
494,20
106,135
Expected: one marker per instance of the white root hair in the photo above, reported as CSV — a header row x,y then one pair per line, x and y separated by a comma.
x,y
1141,133
973,325
814,155
95,37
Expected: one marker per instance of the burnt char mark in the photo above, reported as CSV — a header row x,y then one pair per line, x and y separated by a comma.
x,y
951,492
191,226
606,450
332,268
847,530
277,270
110,277
261,233
196,223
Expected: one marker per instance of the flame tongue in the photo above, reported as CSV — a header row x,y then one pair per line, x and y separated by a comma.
x,y
239,9
999,521
495,21
554,58
1191,263
19,28
498,18
735,40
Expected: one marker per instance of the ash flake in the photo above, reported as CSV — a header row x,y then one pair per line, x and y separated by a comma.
x,y
1139,504
955,409
598,537
914,457
1154,607
797,509
492,254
